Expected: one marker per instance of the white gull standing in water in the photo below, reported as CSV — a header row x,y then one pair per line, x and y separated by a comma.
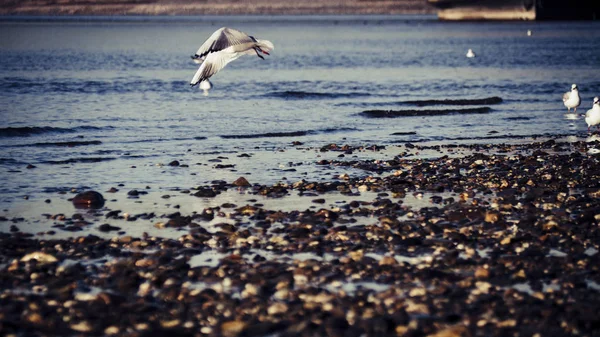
x,y
571,98
592,116
222,47
470,53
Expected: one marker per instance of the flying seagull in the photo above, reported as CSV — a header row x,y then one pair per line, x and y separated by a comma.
x,y
222,47
592,116
571,99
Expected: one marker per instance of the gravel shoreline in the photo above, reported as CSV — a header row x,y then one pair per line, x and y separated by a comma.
x,y
507,245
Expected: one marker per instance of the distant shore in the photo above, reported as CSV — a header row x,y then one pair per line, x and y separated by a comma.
x,y
221,7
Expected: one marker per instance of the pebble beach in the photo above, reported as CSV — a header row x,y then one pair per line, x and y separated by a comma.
x,y
477,240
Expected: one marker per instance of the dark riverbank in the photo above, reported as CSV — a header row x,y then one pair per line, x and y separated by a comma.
x,y
506,244
224,7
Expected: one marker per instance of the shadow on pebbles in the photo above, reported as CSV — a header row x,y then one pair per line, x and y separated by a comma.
x,y
507,245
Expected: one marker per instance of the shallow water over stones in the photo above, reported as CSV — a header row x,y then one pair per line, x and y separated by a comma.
x,y
500,240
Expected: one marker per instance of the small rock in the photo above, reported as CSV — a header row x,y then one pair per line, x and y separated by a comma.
x,y
483,287
453,331
250,290
420,291
277,308
482,273
107,228
178,221
113,214
40,257
205,193
232,328
111,330
388,261
241,182
83,326
170,324
492,216
88,199
34,318
144,263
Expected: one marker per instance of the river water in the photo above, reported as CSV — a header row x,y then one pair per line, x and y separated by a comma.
x,y
98,102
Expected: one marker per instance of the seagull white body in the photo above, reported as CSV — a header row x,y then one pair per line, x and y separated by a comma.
x,y
470,53
222,47
592,116
571,98
206,86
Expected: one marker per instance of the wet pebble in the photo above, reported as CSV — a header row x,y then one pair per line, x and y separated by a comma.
x,y
88,199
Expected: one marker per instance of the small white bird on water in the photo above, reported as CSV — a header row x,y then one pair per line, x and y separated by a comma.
x,y
571,98
222,47
470,53
592,116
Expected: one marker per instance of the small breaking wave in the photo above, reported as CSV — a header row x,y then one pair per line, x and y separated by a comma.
x,y
408,133
27,131
286,134
9,161
476,101
519,118
538,136
417,113
66,144
510,136
267,135
22,85
290,94
428,102
79,160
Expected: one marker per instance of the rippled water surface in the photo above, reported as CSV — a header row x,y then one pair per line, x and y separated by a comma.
x,y
97,102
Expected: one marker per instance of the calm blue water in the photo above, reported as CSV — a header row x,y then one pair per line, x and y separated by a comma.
x,y
122,84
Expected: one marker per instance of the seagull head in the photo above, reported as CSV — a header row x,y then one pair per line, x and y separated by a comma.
x,y
573,87
596,100
265,46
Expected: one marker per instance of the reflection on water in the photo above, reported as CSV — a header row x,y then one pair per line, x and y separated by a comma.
x,y
572,116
